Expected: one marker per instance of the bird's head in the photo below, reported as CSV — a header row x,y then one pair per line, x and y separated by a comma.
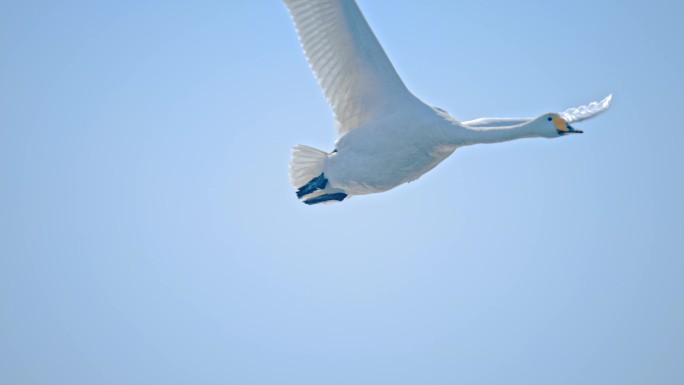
x,y
552,125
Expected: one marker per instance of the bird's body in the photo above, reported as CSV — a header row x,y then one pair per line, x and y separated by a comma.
x,y
403,146
388,137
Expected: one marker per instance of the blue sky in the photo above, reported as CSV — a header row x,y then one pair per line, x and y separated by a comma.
x,y
149,235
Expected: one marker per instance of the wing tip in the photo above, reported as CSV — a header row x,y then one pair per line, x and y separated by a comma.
x,y
607,101
590,110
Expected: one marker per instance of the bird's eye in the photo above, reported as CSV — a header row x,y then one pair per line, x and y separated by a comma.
x,y
549,118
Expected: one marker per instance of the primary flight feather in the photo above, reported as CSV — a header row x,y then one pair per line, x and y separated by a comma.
x,y
387,136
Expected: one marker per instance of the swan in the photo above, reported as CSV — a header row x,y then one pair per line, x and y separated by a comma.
x,y
387,136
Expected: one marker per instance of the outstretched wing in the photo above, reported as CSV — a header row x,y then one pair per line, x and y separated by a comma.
x,y
495,122
585,112
570,115
351,67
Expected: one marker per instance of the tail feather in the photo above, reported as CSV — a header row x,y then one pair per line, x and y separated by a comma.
x,y
307,163
307,176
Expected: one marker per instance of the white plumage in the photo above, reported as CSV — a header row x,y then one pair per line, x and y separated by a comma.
x,y
387,136
592,109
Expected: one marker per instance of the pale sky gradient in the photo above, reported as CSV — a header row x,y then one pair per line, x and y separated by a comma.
x,y
149,235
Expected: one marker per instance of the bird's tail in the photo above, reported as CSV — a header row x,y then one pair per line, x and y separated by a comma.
x,y
306,174
306,164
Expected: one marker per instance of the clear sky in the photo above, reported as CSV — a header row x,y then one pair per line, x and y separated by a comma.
x,y
149,234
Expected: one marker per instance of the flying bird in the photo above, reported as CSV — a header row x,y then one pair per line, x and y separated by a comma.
x,y
387,136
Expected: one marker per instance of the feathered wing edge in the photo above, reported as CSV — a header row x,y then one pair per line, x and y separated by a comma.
x,y
585,112
354,72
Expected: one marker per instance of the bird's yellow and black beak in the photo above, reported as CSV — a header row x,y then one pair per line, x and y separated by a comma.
x,y
564,128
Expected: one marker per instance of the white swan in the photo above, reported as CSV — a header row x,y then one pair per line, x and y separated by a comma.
x,y
387,136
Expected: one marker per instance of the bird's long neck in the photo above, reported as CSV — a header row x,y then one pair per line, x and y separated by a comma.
x,y
474,135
